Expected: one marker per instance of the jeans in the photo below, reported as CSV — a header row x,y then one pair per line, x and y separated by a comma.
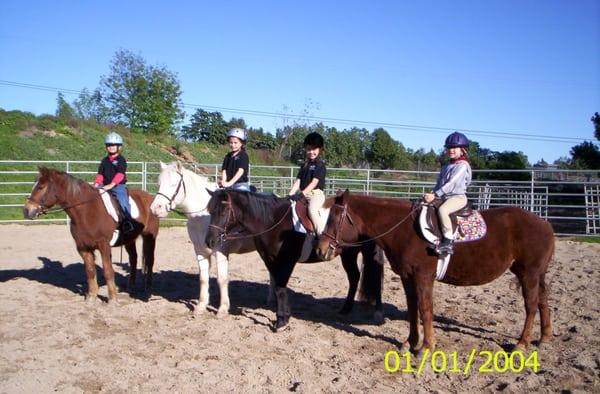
x,y
120,192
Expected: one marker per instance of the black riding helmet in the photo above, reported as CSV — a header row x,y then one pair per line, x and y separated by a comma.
x,y
314,140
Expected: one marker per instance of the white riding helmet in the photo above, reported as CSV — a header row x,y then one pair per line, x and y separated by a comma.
x,y
238,133
113,139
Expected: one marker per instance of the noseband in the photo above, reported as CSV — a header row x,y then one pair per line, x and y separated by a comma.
x,y
170,199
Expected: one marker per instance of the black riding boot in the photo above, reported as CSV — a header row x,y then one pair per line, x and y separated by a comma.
x,y
445,247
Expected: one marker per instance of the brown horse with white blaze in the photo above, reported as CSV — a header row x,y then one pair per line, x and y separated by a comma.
x,y
516,239
92,227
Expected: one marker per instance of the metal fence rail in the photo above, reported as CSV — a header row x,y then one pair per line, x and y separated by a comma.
x,y
568,199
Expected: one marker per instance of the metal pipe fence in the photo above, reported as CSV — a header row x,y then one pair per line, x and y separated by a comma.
x,y
569,199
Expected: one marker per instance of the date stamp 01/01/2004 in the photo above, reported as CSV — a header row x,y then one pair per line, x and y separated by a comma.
x,y
482,361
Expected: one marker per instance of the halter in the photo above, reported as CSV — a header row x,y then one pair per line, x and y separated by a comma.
x,y
224,236
337,243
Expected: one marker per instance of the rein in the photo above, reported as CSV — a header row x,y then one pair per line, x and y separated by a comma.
x,y
231,213
341,243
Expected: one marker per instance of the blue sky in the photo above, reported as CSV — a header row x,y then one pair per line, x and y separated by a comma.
x,y
513,68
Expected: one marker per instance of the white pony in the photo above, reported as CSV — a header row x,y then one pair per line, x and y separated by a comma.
x,y
179,187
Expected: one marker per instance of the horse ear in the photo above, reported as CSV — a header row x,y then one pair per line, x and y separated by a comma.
x,y
345,195
162,165
211,192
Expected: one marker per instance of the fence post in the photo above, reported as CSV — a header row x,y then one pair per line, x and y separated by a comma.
x,y
144,176
532,188
368,181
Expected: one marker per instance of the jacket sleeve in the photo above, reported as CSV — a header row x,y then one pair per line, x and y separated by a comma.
x,y
458,175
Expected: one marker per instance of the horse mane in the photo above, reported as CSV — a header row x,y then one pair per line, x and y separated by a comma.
x,y
261,206
73,187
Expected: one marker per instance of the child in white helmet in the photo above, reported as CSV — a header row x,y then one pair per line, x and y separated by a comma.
x,y
112,177
235,168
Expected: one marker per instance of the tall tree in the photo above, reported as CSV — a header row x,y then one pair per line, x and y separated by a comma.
x,y
90,106
596,120
144,98
206,126
384,149
64,110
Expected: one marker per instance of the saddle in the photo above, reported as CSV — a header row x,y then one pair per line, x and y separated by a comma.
x,y
467,223
301,210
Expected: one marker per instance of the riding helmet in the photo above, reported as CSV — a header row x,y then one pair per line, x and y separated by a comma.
x,y
455,140
113,139
238,133
314,140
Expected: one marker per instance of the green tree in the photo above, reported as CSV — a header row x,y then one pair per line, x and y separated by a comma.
x,y
90,106
384,149
64,111
206,126
144,98
585,156
596,120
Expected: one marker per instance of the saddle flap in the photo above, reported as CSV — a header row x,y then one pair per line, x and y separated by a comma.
x,y
301,210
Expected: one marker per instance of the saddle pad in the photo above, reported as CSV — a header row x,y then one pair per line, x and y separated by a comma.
x,y
110,209
298,227
470,228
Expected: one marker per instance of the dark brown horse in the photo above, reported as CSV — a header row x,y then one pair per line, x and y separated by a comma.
x,y
268,220
516,239
92,227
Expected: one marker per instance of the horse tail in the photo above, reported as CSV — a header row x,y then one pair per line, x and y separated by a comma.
x,y
370,286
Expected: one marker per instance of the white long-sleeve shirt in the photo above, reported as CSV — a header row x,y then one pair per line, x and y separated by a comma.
x,y
453,180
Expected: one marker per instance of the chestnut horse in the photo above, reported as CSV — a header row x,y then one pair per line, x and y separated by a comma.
x,y
267,220
516,239
92,227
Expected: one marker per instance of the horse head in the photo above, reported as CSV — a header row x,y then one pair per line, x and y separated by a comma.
x,y
171,189
224,215
339,229
43,195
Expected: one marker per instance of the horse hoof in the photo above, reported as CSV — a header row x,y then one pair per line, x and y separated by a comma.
x,y
520,347
282,324
222,312
90,299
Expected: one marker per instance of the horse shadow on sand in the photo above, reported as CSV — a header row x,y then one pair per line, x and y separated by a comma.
x,y
248,299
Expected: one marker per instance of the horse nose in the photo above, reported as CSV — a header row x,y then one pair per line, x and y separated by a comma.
x,y
29,212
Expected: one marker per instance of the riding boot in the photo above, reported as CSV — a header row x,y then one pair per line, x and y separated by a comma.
x,y
445,247
127,226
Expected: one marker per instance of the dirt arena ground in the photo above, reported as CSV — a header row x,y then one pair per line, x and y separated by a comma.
x,y
51,340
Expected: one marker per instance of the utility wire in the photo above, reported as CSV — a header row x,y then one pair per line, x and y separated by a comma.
x,y
400,126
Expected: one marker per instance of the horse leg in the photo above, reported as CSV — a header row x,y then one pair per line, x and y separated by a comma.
x,y
413,313
109,273
223,281
350,265
371,281
203,277
132,253
545,320
148,247
90,273
424,287
530,290
282,274
271,297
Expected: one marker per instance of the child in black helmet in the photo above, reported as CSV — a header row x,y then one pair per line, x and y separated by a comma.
x,y
234,171
451,186
311,178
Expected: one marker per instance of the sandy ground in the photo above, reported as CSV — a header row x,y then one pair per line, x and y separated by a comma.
x,y
51,340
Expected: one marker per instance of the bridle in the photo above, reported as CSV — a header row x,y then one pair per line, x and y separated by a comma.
x,y
42,209
232,219
336,244
171,206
